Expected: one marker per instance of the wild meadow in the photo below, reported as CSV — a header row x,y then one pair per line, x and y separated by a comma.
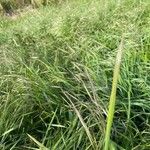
x,y
75,75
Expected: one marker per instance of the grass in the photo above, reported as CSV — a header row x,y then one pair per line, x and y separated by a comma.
x,y
56,72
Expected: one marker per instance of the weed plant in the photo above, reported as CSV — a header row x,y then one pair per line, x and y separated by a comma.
x,y
56,70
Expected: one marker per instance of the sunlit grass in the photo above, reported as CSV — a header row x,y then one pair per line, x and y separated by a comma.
x,y
56,72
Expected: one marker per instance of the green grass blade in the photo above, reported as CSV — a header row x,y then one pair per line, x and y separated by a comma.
x,y
40,145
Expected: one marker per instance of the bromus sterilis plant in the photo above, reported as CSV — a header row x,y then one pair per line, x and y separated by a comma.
x,y
111,107
56,75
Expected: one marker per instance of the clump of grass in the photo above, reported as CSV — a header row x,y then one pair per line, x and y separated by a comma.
x,y
56,72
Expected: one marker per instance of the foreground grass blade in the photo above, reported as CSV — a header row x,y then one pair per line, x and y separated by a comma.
x,y
113,96
40,145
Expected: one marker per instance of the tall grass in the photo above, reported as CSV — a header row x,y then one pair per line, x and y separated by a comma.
x,y
56,71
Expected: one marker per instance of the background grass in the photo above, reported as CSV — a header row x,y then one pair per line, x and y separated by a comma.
x,y
56,68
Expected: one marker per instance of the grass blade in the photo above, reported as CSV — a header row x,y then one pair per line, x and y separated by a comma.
x,y
40,145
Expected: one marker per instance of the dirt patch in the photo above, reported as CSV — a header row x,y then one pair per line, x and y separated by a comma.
x,y
18,13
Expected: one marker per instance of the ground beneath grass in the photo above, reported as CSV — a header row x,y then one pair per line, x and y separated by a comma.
x,y
56,69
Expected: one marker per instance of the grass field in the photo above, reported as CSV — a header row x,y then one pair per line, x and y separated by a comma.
x,y
56,71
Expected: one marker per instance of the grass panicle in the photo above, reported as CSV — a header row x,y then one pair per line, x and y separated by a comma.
x,y
112,101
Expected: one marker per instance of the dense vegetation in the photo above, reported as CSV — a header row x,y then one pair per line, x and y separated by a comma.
x,y
56,70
